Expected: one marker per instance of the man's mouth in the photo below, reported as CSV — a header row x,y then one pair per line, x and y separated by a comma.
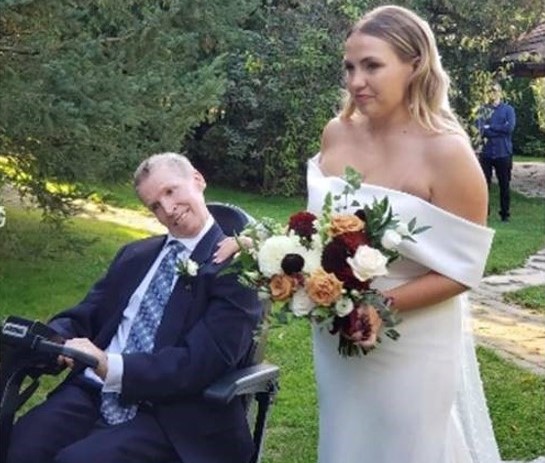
x,y
180,217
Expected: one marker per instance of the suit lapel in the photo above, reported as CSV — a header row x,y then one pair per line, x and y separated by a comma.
x,y
181,302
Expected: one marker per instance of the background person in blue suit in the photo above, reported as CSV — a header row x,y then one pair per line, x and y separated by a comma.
x,y
154,372
496,124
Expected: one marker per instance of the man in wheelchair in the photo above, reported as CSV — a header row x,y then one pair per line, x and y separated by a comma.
x,y
162,324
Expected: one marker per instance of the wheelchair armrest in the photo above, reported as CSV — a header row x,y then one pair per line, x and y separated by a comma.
x,y
250,380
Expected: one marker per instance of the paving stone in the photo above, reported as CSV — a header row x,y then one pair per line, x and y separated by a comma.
x,y
515,333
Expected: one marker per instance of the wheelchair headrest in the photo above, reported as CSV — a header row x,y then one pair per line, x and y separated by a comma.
x,y
232,219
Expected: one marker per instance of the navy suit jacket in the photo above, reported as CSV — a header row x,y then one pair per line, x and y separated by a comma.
x,y
206,331
500,121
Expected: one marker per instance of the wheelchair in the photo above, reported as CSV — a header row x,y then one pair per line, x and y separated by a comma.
x,y
30,349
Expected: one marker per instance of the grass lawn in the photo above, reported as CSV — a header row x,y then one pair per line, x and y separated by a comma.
x,y
39,275
532,298
519,238
528,158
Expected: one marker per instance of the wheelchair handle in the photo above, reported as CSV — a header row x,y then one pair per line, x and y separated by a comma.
x,y
48,347
24,334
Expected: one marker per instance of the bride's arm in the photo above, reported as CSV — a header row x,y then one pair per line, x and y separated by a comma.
x,y
424,291
458,186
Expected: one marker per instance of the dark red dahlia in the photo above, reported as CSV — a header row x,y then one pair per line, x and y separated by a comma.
x,y
350,281
352,240
334,258
334,255
352,323
302,223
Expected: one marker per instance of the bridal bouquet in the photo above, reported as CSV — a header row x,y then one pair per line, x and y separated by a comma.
x,y
322,267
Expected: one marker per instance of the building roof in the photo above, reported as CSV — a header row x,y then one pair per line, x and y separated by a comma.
x,y
528,53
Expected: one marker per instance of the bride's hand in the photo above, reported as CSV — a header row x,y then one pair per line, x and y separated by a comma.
x,y
229,247
369,322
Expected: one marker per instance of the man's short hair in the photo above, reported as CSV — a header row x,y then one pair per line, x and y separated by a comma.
x,y
177,161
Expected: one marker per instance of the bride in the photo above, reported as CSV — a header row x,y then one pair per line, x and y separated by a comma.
x,y
419,399
398,404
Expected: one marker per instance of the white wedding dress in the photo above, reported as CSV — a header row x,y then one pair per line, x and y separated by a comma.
x,y
418,399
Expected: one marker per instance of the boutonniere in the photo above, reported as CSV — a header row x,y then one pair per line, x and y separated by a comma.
x,y
188,268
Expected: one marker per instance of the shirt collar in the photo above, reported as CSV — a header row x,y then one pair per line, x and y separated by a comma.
x,y
191,243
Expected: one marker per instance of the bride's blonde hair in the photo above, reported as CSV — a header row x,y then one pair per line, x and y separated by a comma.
x,y
412,39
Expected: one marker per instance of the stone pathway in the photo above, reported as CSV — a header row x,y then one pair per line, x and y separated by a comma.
x,y
528,178
514,333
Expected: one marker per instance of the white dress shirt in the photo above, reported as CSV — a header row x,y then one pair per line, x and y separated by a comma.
x,y
113,380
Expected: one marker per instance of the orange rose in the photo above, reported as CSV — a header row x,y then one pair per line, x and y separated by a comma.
x,y
343,223
323,288
281,286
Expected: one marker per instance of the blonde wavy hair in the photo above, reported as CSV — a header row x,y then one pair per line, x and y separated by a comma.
x,y
412,39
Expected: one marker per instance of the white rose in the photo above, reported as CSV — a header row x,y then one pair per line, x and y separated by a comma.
x,y
344,306
390,239
300,303
367,263
2,216
403,229
192,268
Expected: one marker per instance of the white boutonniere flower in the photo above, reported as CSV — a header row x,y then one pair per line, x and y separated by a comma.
x,y
188,268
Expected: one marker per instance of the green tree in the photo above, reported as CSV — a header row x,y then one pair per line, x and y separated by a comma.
x,y
90,87
284,85
285,79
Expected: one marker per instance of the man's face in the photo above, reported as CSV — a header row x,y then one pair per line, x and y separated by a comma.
x,y
495,94
176,200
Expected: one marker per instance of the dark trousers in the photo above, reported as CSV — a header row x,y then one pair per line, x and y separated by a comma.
x,y
67,428
502,168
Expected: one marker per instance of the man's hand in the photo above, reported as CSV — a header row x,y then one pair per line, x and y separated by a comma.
x,y
86,346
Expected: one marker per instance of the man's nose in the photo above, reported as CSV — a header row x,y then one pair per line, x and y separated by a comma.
x,y
169,206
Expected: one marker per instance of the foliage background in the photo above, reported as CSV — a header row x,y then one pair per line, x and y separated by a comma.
x,y
244,86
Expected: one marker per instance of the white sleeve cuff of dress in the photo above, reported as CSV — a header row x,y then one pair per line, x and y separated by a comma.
x,y
112,382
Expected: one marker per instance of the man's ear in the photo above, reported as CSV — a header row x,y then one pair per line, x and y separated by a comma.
x,y
199,180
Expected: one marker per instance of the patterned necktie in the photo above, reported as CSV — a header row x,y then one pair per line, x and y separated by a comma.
x,y
144,328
